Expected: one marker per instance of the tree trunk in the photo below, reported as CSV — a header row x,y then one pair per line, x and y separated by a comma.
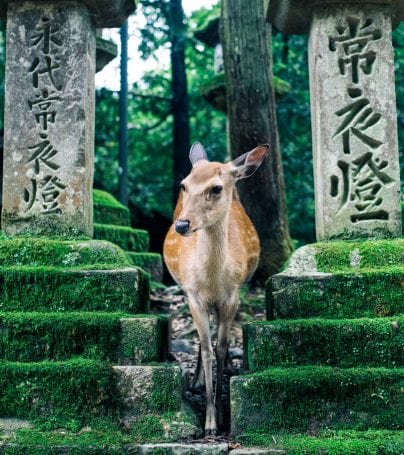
x,y
181,139
246,39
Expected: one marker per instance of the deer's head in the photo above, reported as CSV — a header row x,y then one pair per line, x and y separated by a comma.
x,y
207,192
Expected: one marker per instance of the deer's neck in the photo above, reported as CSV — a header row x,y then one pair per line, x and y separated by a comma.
x,y
212,245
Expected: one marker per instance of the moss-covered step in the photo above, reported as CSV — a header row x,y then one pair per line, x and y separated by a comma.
x,y
29,288
123,340
127,238
372,442
41,252
107,210
309,398
346,279
342,342
152,263
76,389
144,390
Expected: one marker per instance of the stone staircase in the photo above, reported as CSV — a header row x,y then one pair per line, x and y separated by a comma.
x,y
112,223
80,357
325,375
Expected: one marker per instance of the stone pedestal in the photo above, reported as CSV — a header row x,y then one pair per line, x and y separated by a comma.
x,y
354,120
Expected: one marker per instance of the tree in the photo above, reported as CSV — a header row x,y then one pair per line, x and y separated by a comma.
x,y
246,39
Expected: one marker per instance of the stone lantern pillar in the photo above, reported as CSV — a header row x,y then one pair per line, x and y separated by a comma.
x,y
49,113
354,122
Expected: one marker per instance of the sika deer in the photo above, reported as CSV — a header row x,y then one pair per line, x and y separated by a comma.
x,y
211,250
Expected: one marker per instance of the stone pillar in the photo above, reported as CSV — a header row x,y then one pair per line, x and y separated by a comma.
x,y
354,120
49,113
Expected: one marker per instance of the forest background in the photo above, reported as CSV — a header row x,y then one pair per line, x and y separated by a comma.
x,y
150,120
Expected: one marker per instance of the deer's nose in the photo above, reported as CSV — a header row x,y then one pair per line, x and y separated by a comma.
x,y
182,226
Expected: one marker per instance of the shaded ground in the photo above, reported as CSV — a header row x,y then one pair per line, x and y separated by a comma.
x,y
185,344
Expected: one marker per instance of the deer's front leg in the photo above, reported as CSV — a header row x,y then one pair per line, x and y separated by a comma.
x,y
200,316
225,316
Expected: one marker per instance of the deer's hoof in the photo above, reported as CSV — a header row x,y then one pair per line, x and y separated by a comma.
x,y
210,432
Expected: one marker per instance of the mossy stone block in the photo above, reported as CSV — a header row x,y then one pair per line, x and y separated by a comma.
x,y
152,263
342,343
127,238
107,209
42,251
340,280
76,389
62,289
371,442
32,337
148,389
313,398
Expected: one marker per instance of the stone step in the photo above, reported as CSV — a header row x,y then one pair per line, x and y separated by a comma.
x,y
152,263
147,400
75,389
29,288
343,343
371,442
340,280
310,398
107,209
115,337
127,238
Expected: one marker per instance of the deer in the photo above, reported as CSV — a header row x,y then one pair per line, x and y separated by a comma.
x,y
210,250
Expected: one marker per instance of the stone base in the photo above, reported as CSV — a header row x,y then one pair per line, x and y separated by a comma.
x,y
308,399
127,238
340,280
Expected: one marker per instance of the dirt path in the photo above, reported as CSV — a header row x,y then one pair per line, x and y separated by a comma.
x,y
185,343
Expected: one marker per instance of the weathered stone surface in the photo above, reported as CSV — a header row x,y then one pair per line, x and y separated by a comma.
x,y
294,16
107,50
49,119
305,289
179,449
104,13
354,123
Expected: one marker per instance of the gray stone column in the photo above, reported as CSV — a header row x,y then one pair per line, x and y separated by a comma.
x,y
354,120
49,113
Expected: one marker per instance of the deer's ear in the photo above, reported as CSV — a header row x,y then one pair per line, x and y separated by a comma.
x,y
197,153
246,164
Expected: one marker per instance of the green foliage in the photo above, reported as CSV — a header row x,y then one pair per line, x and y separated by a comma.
x,y
313,398
342,343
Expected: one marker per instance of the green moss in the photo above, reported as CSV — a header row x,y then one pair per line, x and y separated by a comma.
x,y
28,337
107,210
341,295
127,238
342,343
311,398
76,389
57,289
372,442
152,263
166,391
38,252
355,256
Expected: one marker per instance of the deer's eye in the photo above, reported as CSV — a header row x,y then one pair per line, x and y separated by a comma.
x,y
182,187
217,189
